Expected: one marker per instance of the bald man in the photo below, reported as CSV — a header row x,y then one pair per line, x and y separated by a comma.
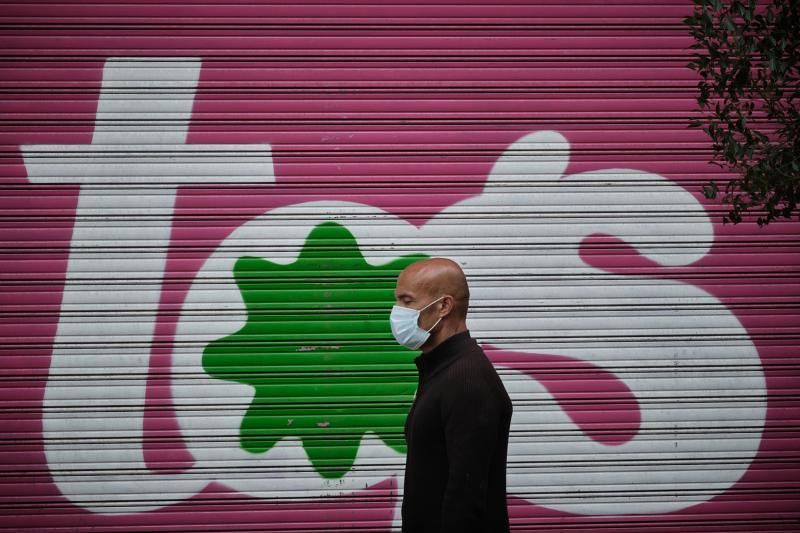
x,y
457,428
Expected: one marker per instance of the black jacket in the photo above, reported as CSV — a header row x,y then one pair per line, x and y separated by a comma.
x,y
457,436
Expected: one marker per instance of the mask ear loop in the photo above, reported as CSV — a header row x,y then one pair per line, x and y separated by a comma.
x,y
433,326
427,306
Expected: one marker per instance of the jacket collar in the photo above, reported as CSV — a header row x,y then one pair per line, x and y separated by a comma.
x,y
444,353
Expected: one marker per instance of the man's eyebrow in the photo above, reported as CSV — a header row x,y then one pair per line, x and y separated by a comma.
x,y
403,295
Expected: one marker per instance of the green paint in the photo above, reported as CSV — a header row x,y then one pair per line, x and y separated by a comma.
x,y
319,352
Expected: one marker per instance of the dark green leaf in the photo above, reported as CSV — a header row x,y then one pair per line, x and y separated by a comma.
x,y
744,57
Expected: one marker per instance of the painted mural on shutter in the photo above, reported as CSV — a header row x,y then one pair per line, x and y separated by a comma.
x,y
205,206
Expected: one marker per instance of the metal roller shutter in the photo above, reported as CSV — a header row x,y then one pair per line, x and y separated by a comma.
x,y
205,206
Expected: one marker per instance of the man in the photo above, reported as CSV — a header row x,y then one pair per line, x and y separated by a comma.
x,y
457,428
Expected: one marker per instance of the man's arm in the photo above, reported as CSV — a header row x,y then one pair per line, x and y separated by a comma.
x,y
471,424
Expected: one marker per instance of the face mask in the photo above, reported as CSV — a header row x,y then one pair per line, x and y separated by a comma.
x,y
405,328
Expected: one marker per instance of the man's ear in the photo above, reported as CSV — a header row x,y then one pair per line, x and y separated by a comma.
x,y
448,305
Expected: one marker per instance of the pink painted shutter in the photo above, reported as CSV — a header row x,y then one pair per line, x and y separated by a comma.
x,y
204,208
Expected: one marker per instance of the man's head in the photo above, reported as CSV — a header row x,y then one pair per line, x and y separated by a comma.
x,y
439,284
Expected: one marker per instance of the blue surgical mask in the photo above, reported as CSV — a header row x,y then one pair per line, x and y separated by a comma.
x,y
405,326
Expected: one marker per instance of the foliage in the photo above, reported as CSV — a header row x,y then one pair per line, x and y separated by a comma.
x,y
748,56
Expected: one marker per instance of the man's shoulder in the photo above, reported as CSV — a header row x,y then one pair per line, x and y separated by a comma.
x,y
473,357
472,382
473,369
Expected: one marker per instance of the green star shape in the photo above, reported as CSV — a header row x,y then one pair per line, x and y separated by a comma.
x,y
318,351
